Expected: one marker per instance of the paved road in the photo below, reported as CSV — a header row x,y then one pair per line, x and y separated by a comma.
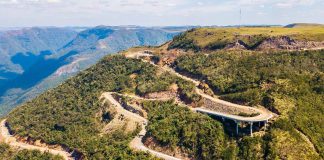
x,y
137,143
263,116
12,141
141,98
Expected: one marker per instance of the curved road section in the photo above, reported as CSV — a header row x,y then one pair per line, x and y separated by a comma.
x,y
12,141
137,142
263,115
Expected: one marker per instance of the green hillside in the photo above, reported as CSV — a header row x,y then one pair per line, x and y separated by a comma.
x,y
289,83
219,38
74,105
8,153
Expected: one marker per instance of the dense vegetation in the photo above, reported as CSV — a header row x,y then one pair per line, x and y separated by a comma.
x,y
162,83
218,38
7,153
174,126
73,107
289,83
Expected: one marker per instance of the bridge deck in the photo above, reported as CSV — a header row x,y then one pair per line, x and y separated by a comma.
x,y
259,118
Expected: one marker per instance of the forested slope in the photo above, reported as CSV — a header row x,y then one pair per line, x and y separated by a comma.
x,y
289,83
8,153
67,115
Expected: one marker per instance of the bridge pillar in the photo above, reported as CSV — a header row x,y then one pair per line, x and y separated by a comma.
x,y
265,125
237,129
251,131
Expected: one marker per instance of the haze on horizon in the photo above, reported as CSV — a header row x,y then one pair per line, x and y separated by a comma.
x,y
27,13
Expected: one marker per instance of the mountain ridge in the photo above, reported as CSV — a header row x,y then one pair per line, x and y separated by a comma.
x,y
86,48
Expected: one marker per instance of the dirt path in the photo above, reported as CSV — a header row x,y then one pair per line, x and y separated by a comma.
x,y
136,143
12,141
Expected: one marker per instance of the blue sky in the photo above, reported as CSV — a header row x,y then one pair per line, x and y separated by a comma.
x,y
26,13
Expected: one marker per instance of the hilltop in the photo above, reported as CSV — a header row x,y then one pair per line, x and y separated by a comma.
x,y
255,38
94,113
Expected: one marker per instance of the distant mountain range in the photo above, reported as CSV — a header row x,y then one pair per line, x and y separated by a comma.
x,y
19,49
296,25
36,59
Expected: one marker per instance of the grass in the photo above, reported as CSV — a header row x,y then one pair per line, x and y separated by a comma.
x,y
217,38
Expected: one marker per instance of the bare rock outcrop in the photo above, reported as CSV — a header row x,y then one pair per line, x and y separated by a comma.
x,y
277,43
287,43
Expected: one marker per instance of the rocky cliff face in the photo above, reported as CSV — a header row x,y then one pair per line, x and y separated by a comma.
x,y
277,43
287,43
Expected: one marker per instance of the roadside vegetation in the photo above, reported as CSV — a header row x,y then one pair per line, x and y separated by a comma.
x,y
176,126
288,83
7,153
186,90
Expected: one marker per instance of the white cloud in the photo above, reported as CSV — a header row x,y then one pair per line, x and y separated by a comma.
x,y
8,2
54,1
114,12
277,3
251,2
292,3
200,3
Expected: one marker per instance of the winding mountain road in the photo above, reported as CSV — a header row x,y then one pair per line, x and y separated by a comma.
x,y
6,137
137,142
263,114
